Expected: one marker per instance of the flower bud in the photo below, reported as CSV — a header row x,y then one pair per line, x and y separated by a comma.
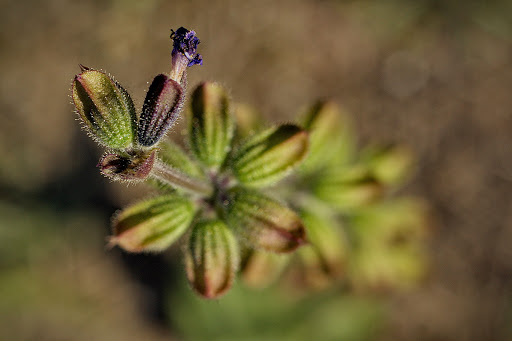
x,y
152,225
211,124
271,155
262,222
327,253
127,167
389,251
331,137
262,268
347,188
390,165
105,108
161,109
211,258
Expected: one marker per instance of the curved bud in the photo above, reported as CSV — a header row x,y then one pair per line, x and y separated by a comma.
x,y
262,222
271,155
127,167
152,225
211,258
348,188
211,124
331,137
105,108
161,109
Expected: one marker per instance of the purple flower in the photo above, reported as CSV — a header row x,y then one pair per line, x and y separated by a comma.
x,y
184,53
185,42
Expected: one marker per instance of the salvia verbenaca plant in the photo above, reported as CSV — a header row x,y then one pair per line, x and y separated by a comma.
x,y
215,192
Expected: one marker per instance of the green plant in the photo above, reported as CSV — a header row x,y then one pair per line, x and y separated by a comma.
x,y
215,191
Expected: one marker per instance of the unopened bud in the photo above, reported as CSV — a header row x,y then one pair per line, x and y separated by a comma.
x,y
262,222
161,109
348,188
152,225
326,255
331,136
390,165
105,108
127,167
262,268
271,155
212,258
211,124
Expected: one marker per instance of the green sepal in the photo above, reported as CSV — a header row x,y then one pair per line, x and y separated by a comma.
x,y
153,224
347,188
212,258
105,108
271,155
332,140
326,256
211,124
173,155
263,222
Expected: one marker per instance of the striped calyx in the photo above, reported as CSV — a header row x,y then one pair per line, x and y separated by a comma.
x,y
105,108
211,258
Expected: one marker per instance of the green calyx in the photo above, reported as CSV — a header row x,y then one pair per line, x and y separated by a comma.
x,y
263,222
152,225
105,108
211,125
269,156
212,258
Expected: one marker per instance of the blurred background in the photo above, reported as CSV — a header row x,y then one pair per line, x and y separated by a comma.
x,y
434,75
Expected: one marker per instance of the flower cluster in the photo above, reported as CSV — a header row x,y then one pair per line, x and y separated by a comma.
x,y
214,191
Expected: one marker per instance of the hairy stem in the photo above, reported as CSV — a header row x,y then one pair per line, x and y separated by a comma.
x,y
175,178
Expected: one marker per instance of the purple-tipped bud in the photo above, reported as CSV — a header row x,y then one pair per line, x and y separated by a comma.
x,y
125,168
262,222
161,109
184,52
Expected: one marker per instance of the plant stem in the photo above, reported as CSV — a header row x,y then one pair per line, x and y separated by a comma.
x,y
177,179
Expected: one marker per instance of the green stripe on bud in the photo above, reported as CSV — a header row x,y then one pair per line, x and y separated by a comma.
x,y
152,225
271,155
212,258
331,136
347,188
211,124
105,108
262,222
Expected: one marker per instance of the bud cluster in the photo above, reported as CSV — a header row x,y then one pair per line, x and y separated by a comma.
x,y
356,232
215,190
